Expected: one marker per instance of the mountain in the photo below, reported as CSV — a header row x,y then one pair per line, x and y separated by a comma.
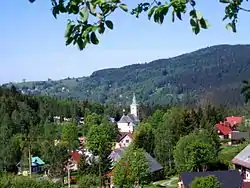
x,y
210,74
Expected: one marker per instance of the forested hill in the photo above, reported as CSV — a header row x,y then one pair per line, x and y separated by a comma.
x,y
211,74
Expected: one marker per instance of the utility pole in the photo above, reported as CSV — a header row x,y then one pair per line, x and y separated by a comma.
x,y
68,175
30,160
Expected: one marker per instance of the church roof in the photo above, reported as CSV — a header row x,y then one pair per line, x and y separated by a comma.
x,y
129,118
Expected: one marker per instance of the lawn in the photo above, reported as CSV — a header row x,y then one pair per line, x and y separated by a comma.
x,y
169,183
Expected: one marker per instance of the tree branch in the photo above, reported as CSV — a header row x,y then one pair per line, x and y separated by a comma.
x,y
246,10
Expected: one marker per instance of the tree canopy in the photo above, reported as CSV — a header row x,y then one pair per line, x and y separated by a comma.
x,y
92,17
208,182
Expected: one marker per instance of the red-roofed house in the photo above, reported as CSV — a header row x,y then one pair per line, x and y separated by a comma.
x,y
234,121
223,130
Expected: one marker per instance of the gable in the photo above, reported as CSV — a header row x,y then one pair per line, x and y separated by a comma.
x,y
243,158
127,137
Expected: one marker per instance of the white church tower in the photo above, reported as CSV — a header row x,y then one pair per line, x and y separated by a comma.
x,y
134,107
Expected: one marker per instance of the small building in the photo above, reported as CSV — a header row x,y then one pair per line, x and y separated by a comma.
x,y
223,130
37,165
227,179
242,163
234,121
124,139
237,137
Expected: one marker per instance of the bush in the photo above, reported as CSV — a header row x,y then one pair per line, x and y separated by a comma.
x,y
7,181
89,181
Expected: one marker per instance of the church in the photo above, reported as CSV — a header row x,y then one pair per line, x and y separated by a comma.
x,y
128,121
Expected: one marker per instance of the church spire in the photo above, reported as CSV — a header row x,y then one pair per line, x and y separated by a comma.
x,y
134,99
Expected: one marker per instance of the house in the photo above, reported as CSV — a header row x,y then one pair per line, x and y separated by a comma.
x,y
227,179
155,169
242,163
123,140
128,122
223,130
37,166
237,137
234,121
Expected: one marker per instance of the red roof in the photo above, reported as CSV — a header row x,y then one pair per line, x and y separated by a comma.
x,y
246,185
223,128
234,120
76,156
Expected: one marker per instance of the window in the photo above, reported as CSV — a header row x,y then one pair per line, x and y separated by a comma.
x,y
127,141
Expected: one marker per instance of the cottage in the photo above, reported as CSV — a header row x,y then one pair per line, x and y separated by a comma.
x,y
227,179
123,140
234,121
37,165
223,130
242,163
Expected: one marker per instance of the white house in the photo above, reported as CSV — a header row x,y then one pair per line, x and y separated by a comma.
x,y
128,121
123,140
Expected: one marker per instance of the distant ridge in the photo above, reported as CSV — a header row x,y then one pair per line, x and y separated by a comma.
x,y
213,74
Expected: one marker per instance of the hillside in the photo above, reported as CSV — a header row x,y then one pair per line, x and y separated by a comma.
x,y
214,73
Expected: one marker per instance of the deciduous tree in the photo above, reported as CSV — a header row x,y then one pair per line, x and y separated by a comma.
x,y
132,169
93,16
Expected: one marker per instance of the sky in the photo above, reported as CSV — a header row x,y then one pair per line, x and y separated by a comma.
x,y
33,46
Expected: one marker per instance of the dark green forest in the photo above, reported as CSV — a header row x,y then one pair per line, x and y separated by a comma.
x,y
210,75
27,125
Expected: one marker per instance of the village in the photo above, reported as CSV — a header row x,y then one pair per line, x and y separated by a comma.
x,y
229,132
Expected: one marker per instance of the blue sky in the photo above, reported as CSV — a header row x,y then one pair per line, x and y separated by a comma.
x,y
33,46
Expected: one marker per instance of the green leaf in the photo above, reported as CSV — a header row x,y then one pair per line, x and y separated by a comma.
x,y
92,8
229,26
101,28
94,39
225,1
196,29
69,41
151,12
109,24
84,14
193,22
124,7
225,17
69,29
156,16
204,24
173,16
178,14
164,10
80,43
198,14
192,13
234,26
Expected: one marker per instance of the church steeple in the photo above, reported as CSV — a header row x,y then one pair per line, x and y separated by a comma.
x,y
134,106
134,99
